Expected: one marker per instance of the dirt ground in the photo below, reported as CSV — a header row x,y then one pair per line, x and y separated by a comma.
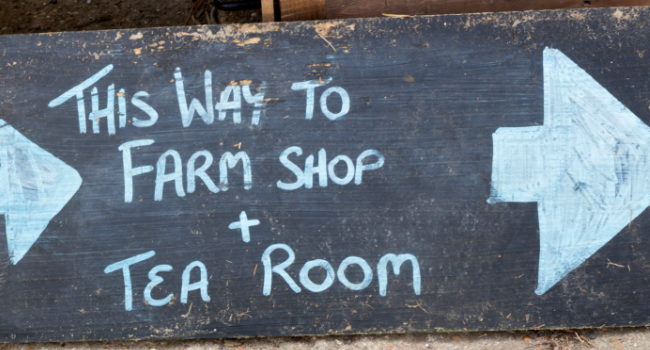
x,y
40,16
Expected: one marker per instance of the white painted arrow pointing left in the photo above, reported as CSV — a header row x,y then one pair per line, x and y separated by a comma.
x,y
34,187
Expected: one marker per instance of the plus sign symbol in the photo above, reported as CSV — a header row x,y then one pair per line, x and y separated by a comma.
x,y
244,224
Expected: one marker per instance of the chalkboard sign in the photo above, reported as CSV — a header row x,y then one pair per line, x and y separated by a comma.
x,y
470,172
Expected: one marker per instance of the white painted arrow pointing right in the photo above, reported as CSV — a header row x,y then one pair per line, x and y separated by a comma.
x,y
34,187
588,168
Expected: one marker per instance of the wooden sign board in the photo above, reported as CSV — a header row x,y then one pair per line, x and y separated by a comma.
x,y
471,172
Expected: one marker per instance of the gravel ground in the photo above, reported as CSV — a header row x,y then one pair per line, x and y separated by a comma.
x,y
40,16
632,338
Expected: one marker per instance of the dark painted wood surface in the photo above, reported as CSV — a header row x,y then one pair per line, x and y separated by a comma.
x,y
427,93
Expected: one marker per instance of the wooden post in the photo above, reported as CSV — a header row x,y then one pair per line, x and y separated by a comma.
x,y
302,10
268,12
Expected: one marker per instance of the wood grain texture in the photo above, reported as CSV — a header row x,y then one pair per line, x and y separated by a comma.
x,y
427,93
268,12
302,10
